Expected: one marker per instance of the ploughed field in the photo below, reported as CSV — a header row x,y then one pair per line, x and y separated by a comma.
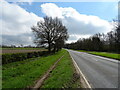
x,y
21,50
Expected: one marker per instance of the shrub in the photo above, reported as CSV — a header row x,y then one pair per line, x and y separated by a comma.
x,y
8,58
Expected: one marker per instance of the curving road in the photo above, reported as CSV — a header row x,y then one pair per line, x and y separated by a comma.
x,y
99,71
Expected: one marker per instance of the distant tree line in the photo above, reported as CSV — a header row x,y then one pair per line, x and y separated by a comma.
x,y
109,42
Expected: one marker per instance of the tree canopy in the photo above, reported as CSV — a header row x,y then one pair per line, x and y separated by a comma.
x,y
50,32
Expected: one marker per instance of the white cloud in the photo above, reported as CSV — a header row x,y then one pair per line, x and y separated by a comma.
x,y
51,10
25,39
16,21
75,37
78,36
76,23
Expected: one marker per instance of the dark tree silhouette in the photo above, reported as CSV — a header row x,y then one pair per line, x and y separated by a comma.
x,y
50,32
109,42
117,37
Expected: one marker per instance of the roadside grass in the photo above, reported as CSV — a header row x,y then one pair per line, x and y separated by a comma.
x,y
104,54
82,51
62,75
24,73
0,77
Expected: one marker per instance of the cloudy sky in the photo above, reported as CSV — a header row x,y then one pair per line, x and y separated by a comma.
x,y
82,19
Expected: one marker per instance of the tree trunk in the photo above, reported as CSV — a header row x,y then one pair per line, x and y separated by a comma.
x,y
54,48
49,48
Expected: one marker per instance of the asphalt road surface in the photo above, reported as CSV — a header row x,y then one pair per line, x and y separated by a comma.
x,y
99,71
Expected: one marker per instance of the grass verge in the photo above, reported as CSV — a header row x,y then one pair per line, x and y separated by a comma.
x,y
63,76
24,73
104,54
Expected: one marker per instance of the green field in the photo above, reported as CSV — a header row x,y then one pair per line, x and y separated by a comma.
x,y
62,75
22,74
104,54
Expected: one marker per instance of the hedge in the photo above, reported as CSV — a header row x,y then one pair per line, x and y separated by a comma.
x,y
8,58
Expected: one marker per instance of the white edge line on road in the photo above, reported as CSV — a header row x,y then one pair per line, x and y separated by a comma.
x,y
89,86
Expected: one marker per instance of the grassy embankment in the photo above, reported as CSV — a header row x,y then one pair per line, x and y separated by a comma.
x,y
24,73
62,75
104,54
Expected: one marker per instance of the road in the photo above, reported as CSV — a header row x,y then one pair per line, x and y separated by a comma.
x,y
99,71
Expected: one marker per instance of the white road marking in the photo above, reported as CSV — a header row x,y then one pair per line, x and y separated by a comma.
x,y
89,86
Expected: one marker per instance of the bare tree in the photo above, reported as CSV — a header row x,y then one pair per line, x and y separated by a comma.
x,y
50,32
117,36
109,42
